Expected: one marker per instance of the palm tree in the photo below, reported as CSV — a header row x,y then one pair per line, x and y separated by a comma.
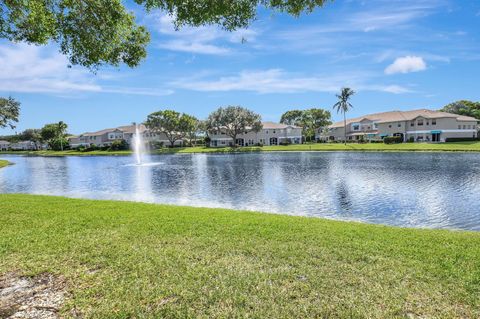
x,y
61,128
343,105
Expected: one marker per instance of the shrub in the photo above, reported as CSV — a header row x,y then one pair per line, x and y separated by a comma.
x,y
156,145
286,142
392,139
411,139
119,145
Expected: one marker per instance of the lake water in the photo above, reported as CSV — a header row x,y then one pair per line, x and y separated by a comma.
x,y
434,190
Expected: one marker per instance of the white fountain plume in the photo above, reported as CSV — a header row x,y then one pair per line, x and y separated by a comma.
x,y
138,147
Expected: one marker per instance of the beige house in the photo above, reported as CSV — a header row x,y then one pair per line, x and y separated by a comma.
x,y
107,136
4,145
270,134
417,125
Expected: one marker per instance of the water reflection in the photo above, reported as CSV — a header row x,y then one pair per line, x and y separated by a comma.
x,y
416,190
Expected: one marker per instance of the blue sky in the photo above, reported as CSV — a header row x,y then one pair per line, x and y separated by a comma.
x,y
397,54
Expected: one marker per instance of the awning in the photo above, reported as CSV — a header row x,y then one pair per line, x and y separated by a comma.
x,y
384,135
436,132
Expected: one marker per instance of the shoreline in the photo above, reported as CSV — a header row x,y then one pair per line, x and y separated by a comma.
x,y
5,163
464,147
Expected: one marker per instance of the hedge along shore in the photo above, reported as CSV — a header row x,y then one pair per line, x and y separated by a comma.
x,y
318,147
125,260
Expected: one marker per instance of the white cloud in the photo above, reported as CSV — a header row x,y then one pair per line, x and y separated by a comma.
x,y
406,64
279,81
209,40
33,69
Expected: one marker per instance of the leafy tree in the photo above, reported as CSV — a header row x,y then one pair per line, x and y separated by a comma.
x,y
292,117
61,133
54,134
234,120
9,110
314,119
343,105
173,124
191,126
463,107
310,120
48,132
95,32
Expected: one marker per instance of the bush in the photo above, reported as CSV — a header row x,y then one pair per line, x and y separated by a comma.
x,y
156,145
57,144
411,139
286,142
392,140
460,139
119,145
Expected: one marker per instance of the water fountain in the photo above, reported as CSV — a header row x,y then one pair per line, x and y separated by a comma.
x,y
138,146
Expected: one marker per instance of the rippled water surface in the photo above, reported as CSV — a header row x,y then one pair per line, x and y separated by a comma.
x,y
435,190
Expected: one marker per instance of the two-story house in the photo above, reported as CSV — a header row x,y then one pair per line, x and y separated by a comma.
x,y
417,125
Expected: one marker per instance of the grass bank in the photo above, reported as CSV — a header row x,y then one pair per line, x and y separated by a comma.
x,y
372,147
128,260
4,163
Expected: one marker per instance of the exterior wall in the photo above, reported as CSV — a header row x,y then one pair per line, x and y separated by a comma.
x,y
23,146
267,136
4,146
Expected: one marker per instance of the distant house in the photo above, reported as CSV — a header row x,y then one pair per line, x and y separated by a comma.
x,y
417,125
270,134
107,136
4,145
23,146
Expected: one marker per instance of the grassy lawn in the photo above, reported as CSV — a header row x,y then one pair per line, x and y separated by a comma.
x,y
127,260
4,163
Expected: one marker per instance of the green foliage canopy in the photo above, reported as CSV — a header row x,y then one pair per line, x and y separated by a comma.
x,y
463,107
173,124
96,32
310,120
9,112
234,120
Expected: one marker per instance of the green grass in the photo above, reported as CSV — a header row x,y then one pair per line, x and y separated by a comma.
x,y
4,163
124,260
374,147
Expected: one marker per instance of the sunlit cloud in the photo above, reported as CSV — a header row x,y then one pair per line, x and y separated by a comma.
x,y
406,64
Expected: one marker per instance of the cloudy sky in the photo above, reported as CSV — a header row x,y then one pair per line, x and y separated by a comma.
x,y
397,54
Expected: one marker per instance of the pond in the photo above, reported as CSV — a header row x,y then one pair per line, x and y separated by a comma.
x,y
432,190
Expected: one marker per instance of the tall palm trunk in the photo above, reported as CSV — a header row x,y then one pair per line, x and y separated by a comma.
x,y
345,126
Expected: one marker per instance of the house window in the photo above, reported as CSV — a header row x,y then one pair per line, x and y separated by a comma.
x,y
375,125
434,122
390,126
273,131
420,122
356,127
464,127
412,123
399,124
266,132
428,123
459,127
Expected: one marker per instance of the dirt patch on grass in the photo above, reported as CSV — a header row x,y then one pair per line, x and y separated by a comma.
x,y
41,296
